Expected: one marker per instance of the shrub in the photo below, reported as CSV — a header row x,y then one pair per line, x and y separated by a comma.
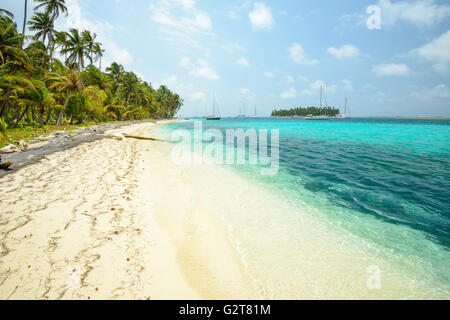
x,y
3,127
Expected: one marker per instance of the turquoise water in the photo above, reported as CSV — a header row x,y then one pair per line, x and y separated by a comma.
x,y
386,181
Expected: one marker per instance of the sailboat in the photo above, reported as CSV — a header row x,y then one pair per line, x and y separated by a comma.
x,y
254,116
346,111
318,116
214,117
241,115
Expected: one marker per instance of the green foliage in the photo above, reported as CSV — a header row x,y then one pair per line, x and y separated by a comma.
x,y
36,88
3,127
303,112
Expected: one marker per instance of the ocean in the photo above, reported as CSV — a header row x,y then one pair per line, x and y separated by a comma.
x,y
353,199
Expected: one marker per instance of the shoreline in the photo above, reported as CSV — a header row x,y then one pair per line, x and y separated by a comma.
x,y
116,217
60,141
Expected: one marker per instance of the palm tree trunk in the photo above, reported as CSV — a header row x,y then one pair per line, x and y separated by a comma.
x,y
49,117
60,115
21,116
5,107
24,22
41,117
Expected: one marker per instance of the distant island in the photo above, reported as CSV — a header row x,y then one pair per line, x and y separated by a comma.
x,y
303,112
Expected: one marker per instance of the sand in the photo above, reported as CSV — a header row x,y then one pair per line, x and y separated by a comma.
x,y
80,224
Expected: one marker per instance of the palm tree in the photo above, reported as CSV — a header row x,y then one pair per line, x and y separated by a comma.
x,y
52,7
116,71
6,13
43,25
10,42
94,77
76,47
12,57
13,83
37,52
129,85
24,21
91,45
60,41
99,54
68,83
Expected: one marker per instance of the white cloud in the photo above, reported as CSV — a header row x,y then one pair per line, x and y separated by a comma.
x,y
290,79
422,13
180,21
316,85
391,69
268,74
303,78
347,85
440,91
243,62
206,72
185,89
298,55
232,47
233,15
198,96
312,89
247,93
345,51
200,68
104,30
185,62
419,13
261,17
289,94
437,52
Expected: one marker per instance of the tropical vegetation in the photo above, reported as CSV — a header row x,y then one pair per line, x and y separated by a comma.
x,y
55,77
302,112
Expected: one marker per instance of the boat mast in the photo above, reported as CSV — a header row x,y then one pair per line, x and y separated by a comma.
x,y
345,108
321,88
214,106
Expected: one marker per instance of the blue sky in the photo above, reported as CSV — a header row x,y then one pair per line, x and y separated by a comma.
x,y
278,53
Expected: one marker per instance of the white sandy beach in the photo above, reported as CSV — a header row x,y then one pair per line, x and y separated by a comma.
x,y
85,213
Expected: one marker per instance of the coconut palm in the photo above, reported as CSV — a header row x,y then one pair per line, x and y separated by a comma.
x,y
43,25
94,77
130,83
33,83
24,21
116,71
43,100
99,54
52,7
91,45
68,83
6,13
76,48
10,42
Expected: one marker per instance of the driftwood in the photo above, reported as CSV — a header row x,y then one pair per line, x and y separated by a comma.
x,y
140,138
5,165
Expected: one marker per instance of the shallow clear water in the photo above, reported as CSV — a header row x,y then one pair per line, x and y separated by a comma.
x,y
385,181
